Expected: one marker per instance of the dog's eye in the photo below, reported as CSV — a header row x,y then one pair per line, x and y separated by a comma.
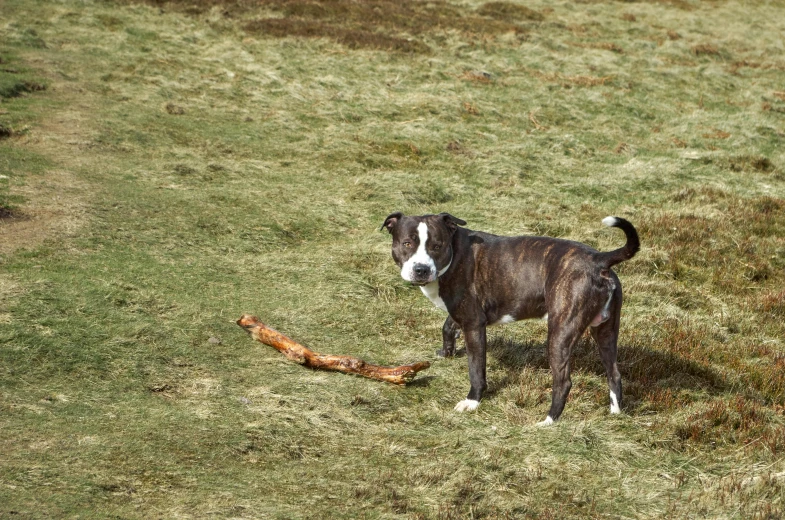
x,y
437,247
407,244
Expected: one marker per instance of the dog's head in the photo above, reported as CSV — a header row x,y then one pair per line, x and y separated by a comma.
x,y
422,246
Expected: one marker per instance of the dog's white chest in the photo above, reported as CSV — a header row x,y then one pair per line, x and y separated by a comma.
x,y
431,291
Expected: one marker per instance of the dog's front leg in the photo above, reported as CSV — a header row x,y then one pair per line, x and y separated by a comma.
x,y
450,332
475,351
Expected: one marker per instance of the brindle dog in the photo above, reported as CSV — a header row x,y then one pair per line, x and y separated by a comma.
x,y
482,279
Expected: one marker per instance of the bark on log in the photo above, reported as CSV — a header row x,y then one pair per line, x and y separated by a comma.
x,y
307,357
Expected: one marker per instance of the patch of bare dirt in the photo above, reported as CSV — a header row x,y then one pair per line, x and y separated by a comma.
x,y
54,206
55,203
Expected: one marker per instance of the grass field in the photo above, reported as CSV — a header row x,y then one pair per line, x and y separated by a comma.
x,y
166,166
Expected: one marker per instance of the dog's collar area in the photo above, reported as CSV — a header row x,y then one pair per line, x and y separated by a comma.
x,y
444,269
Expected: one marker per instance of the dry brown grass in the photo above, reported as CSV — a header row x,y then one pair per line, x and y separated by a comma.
x,y
773,304
605,46
705,49
740,421
717,134
477,76
510,11
471,108
378,24
621,148
572,81
352,38
757,163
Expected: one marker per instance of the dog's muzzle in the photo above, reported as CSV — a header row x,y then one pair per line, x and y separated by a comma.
x,y
422,274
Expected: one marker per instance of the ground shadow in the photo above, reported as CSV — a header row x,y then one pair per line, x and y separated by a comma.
x,y
7,213
421,381
647,374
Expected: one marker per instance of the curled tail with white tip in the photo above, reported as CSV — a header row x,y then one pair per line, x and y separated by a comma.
x,y
629,249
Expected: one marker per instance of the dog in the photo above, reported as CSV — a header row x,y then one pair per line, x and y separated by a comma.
x,y
482,279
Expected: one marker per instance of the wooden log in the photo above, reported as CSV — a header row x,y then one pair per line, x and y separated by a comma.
x,y
307,357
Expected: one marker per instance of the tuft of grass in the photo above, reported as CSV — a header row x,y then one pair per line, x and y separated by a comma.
x,y
510,11
14,88
705,49
353,39
608,46
570,81
756,163
773,303
15,78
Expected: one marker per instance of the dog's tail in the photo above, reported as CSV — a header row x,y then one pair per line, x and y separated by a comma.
x,y
632,246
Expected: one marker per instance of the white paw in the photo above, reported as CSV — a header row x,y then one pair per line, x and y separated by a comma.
x,y
614,404
467,405
547,422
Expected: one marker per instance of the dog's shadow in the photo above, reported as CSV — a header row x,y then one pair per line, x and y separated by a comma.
x,y
421,381
648,376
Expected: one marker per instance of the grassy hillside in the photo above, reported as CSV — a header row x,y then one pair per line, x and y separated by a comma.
x,y
166,166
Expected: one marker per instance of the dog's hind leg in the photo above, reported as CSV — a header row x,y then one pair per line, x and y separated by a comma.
x,y
606,335
562,337
450,332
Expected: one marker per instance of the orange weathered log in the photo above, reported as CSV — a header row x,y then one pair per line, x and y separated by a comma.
x,y
307,357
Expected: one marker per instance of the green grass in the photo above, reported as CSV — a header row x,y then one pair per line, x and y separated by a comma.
x,y
183,163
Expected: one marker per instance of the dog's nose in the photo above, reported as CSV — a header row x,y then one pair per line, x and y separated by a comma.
x,y
422,271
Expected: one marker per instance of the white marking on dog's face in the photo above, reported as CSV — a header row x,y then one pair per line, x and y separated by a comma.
x,y
614,404
467,405
431,291
420,260
422,247
547,422
507,318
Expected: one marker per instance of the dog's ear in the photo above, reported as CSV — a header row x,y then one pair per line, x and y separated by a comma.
x,y
391,221
452,222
